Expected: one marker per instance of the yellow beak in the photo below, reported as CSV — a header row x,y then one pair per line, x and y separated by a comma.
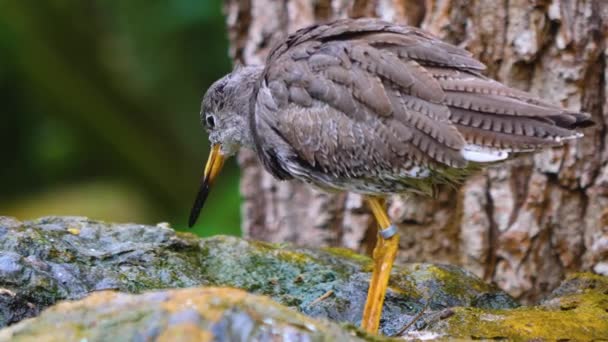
x,y
212,169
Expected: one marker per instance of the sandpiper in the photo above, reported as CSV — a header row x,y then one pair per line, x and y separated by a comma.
x,y
375,108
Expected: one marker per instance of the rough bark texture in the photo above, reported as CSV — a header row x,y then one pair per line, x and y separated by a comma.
x,y
523,225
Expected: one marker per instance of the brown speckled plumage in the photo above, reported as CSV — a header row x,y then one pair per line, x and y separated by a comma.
x,y
376,108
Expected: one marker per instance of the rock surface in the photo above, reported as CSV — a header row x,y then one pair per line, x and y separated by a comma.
x,y
53,259
577,310
195,314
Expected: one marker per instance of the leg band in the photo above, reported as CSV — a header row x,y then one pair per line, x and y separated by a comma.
x,y
388,232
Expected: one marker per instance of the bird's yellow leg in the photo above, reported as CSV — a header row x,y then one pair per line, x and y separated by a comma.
x,y
384,256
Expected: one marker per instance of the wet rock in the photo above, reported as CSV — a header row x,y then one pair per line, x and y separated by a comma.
x,y
58,258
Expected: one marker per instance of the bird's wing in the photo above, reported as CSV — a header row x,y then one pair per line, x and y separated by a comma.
x,y
328,89
402,93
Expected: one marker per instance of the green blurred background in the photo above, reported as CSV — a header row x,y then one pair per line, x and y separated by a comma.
x,y
100,103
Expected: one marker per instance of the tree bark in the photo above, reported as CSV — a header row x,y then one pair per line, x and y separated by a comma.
x,y
523,224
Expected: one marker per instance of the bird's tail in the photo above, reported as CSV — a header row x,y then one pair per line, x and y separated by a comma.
x,y
496,120
492,137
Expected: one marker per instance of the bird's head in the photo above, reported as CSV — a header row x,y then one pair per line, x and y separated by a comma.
x,y
225,115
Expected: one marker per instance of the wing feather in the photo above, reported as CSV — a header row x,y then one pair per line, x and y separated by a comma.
x,y
368,71
489,113
364,97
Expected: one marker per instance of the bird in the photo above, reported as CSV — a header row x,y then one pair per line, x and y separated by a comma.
x,y
375,108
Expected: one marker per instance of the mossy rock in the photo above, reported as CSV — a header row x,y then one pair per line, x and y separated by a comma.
x,y
577,310
225,314
55,258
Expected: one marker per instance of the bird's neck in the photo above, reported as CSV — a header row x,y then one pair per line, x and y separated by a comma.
x,y
238,93
246,79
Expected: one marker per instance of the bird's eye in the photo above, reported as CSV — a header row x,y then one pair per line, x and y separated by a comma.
x,y
210,121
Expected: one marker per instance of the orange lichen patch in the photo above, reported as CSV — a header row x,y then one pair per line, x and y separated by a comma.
x,y
187,332
209,302
95,299
192,314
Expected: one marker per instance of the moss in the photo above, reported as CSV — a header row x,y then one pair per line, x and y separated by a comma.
x,y
363,261
453,281
528,323
599,280
259,245
447,286
581,282
581,315
187,237
405,285
294,257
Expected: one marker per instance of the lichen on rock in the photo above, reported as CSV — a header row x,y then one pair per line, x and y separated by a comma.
x,y
57,258
194,314
65,258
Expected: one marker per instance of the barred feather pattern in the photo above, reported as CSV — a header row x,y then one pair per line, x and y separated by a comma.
x,y
373,107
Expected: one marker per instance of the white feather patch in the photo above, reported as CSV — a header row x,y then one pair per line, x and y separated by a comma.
x,y
480,154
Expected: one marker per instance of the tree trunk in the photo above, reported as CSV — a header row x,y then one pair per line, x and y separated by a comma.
x,y
523,224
